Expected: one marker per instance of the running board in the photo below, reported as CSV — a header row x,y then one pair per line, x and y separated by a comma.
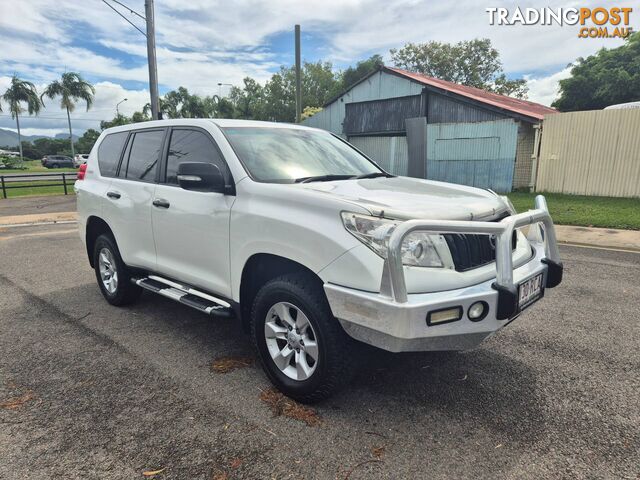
x,y
186,295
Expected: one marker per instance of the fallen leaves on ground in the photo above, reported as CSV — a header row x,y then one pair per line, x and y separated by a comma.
x,y
228,364
220,476
235,463
151,473
378,452
15,403
282,405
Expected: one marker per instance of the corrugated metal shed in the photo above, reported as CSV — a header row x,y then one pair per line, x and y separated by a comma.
x,y
443,109
591,153
378,86
477,154
381,116
388,152
535,111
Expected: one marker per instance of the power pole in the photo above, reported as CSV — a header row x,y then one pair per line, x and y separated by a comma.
x,y
298,77
151,55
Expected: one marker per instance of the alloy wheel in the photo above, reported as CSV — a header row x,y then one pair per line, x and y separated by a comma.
x,y
108,272
291,341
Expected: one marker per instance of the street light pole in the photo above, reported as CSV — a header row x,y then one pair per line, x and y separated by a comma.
x,y
151,55
298,76
117,105
220,88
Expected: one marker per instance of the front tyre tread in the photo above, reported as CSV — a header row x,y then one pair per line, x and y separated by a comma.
x,y
338,352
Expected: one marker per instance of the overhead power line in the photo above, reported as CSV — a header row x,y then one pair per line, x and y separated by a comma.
x,y
43,117
150,35
130,9
125,18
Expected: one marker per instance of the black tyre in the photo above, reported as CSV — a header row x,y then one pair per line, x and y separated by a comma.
x,y
303,349
114,278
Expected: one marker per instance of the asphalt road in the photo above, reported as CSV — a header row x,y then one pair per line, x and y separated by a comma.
x,y
89,390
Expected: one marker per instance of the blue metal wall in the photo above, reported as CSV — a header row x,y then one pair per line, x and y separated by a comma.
x,y
477,154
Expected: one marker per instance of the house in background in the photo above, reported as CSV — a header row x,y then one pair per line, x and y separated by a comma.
x,y
420,126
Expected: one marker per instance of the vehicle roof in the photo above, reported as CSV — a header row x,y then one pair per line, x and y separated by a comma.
x,y
203,122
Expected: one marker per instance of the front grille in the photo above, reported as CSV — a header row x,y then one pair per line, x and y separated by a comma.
x,y
472,251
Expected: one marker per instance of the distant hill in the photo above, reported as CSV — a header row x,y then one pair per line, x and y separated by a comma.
x,y
9,138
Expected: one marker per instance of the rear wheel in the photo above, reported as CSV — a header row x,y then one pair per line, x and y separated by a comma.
x,y
303,349
114,278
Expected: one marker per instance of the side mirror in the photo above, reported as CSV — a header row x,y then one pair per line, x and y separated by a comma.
x,y
201,177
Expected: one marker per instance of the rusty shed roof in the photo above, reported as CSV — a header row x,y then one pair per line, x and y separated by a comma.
x,y
523,107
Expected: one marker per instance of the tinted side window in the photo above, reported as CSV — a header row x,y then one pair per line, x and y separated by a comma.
x,y
144,155
192,146
109,153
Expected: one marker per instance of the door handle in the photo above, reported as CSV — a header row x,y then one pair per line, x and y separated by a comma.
x,y
114,195
161,203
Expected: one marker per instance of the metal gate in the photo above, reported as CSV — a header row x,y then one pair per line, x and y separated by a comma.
x,y
478,154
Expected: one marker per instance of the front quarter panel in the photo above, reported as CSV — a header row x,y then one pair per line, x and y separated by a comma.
x,y
287,221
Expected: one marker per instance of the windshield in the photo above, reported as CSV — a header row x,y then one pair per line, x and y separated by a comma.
x,y
284,155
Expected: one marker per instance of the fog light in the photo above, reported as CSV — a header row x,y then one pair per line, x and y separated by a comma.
x,y
477,311
445,315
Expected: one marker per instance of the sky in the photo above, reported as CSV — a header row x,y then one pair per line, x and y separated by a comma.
x,y
201,43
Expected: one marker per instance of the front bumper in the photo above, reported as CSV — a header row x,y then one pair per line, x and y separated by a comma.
x,y
395,321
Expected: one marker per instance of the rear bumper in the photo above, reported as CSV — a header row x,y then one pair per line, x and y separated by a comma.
x,y
395,321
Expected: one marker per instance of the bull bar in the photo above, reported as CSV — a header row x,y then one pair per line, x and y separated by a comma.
x,y
393,283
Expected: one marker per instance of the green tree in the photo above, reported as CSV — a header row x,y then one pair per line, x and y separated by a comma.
x,y
182,104
248,101
276,100
71,88
363,68
19,92
138,117
87,140
310,112
610,76
474,63
116,121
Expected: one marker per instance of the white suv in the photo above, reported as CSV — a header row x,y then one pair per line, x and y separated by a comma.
x,y
311,245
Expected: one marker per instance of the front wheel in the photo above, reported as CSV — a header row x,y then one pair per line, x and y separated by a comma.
x,y
302,348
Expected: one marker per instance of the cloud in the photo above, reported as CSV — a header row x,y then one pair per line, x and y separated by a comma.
x,y
201,43
53,119
545,89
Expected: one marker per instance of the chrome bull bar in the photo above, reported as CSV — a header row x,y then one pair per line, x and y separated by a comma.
x,y
393,283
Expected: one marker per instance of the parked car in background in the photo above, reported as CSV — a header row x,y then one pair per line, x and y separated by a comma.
x,y
79,159
57,161
309,243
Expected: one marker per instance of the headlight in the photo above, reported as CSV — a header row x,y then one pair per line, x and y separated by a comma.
x,y
418,250
417,247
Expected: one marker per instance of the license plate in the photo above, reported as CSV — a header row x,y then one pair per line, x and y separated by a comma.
x,y
529,291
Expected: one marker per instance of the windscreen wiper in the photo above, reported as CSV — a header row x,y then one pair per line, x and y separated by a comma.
x,y
323,178
373,175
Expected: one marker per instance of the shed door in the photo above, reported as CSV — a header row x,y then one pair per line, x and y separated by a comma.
x,y
476,154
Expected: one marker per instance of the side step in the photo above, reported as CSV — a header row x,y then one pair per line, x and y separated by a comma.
x,y
185,294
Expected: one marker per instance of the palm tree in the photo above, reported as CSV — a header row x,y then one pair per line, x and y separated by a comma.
x,y
71,88
20,92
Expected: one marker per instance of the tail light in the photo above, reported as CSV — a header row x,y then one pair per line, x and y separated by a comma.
x,y
82,172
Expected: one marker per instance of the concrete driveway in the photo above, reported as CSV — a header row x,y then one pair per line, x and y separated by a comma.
x,y
93,391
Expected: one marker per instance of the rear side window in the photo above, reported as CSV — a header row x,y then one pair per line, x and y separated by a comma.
x,y
109,153
192,146
144,155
